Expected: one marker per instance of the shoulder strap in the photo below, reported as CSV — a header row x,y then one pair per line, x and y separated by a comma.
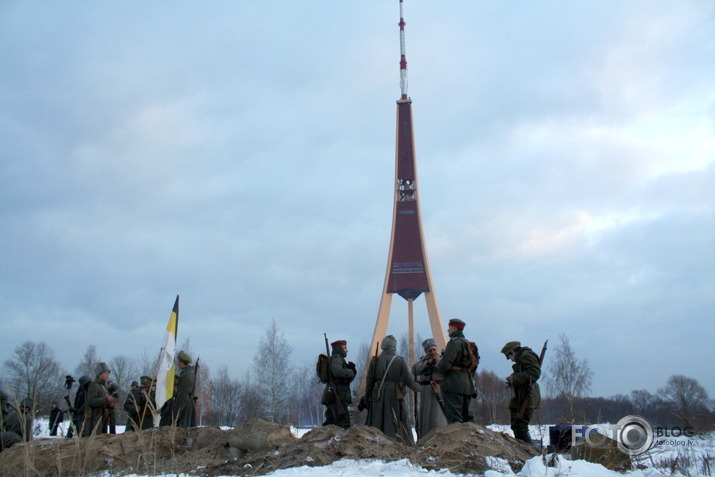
x,y
379,390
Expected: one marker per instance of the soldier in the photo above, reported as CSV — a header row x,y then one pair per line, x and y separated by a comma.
x,y
20,421
387,376
132,408
113,390
526,395
183,409
79,405
55,418
7,438
458,384
98,403
431,405
147,403
342,374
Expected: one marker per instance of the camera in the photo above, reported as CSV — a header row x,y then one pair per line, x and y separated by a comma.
x,y
69,380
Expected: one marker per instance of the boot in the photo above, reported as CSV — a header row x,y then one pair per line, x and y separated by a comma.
x,y
523,436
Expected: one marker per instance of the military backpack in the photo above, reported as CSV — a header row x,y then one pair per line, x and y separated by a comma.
x,y
322,368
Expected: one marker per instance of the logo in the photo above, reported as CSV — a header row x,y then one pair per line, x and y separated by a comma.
x,y
633,435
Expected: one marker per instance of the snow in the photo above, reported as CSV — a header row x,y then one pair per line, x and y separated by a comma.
x,y
688,450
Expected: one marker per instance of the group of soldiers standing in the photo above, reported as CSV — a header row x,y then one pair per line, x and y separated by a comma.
x,y
444,381
94,409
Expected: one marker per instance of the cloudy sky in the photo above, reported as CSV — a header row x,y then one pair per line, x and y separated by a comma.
x,y
241,155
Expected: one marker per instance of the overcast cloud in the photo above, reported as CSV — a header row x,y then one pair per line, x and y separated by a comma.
x,y
241,155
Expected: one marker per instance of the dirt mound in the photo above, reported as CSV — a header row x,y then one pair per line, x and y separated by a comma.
x,y
471,448
257,447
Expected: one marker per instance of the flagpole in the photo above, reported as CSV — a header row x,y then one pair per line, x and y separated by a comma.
x,y
165,363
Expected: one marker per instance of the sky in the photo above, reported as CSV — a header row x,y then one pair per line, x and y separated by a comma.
x,y
241,155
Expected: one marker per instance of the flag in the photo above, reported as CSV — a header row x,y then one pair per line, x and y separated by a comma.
x,y
166,369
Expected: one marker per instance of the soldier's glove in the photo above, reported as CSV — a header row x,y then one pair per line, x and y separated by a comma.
x,y
351,365
362,405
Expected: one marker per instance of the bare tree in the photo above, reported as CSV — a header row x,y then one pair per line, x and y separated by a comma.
x,y
226,399
253,402
272,372
685,398
569,376
32,372
123,370
642,401
492,399
305,406
88,363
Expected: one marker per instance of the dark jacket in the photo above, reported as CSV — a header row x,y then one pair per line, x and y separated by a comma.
x,y
342,374
96,411
454,365
526,371
183,409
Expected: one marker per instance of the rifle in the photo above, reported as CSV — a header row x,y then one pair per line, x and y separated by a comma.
x,y
339,408
530,393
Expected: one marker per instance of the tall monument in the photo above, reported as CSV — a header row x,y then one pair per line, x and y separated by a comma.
x,y
408,272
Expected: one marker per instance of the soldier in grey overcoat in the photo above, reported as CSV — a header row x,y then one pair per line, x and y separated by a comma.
x,y
387,377
98,403
342,374
458,384
425,372
183,409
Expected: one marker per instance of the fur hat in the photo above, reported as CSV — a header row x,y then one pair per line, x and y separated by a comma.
x,y
146,380
100,368
389,343
428,343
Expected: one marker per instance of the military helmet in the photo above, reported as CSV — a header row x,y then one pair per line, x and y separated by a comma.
x,y
84,380
509,347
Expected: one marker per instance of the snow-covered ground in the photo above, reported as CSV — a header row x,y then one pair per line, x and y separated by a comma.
x,y
672,456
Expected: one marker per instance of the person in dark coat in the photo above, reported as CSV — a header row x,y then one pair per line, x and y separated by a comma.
x,y
458,384
140,405
77,411
425,372
183,408
20,421
342,374
56,417
98,403
526,395
131,408
387,377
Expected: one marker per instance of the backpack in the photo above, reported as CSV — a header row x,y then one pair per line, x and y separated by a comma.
x,y
473,362
322,368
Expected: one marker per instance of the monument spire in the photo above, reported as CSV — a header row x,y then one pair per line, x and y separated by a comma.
x,y
408,272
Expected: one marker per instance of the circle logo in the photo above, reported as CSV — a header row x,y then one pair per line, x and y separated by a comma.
x,y
635,435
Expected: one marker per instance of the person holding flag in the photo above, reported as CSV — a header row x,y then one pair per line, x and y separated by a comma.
x,y
183,409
